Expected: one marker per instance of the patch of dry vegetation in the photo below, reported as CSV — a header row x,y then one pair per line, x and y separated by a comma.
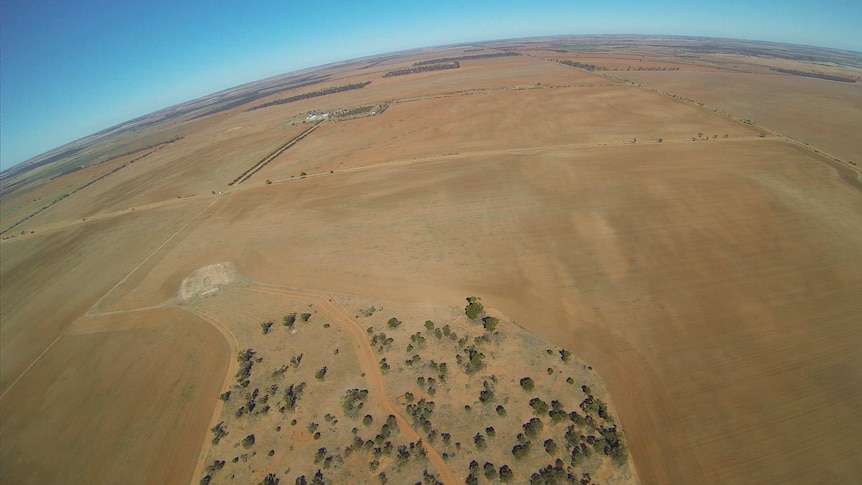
x,y
311,418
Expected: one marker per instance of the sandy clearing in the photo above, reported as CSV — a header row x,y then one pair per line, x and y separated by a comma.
x,y
123,401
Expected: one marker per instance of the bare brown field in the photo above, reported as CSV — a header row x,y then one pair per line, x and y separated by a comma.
x,y
688,274
825,114
120,399
29,199
49,280
503,121
711,278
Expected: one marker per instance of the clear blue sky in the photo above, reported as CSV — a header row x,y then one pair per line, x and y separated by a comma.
x,y
71,68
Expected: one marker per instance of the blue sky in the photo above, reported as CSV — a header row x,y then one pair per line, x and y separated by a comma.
x,y
69,69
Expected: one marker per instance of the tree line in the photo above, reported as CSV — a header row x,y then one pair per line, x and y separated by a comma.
x,y
425,68
313,94
467,58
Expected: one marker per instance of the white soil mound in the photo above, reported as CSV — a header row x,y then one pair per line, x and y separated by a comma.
x,y
208,280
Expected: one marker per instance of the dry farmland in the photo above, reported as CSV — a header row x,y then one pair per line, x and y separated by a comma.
x,y
690,229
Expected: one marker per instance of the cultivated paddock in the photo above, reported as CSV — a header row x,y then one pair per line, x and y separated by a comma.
x,y
710,278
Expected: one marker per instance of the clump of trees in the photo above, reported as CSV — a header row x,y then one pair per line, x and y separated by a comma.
x,y
353,401
219,432
580,65
472,361
292,395
246,362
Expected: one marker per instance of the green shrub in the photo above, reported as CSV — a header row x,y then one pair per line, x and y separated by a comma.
x,y
539,407
490,324
320,374
474,308
533,427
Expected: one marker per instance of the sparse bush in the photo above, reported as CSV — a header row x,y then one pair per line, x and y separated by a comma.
x,y
527,384
292,395
320,374
353,401
521,451
305,316
550,447
248,441
265,326
533,427
565,355
539,407
289,320
490,470
429,325
479,441
270,479
501,410
393,322
506,474
219,432
225,396
246,362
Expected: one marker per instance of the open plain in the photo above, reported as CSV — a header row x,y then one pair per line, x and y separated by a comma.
x,y
691,229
